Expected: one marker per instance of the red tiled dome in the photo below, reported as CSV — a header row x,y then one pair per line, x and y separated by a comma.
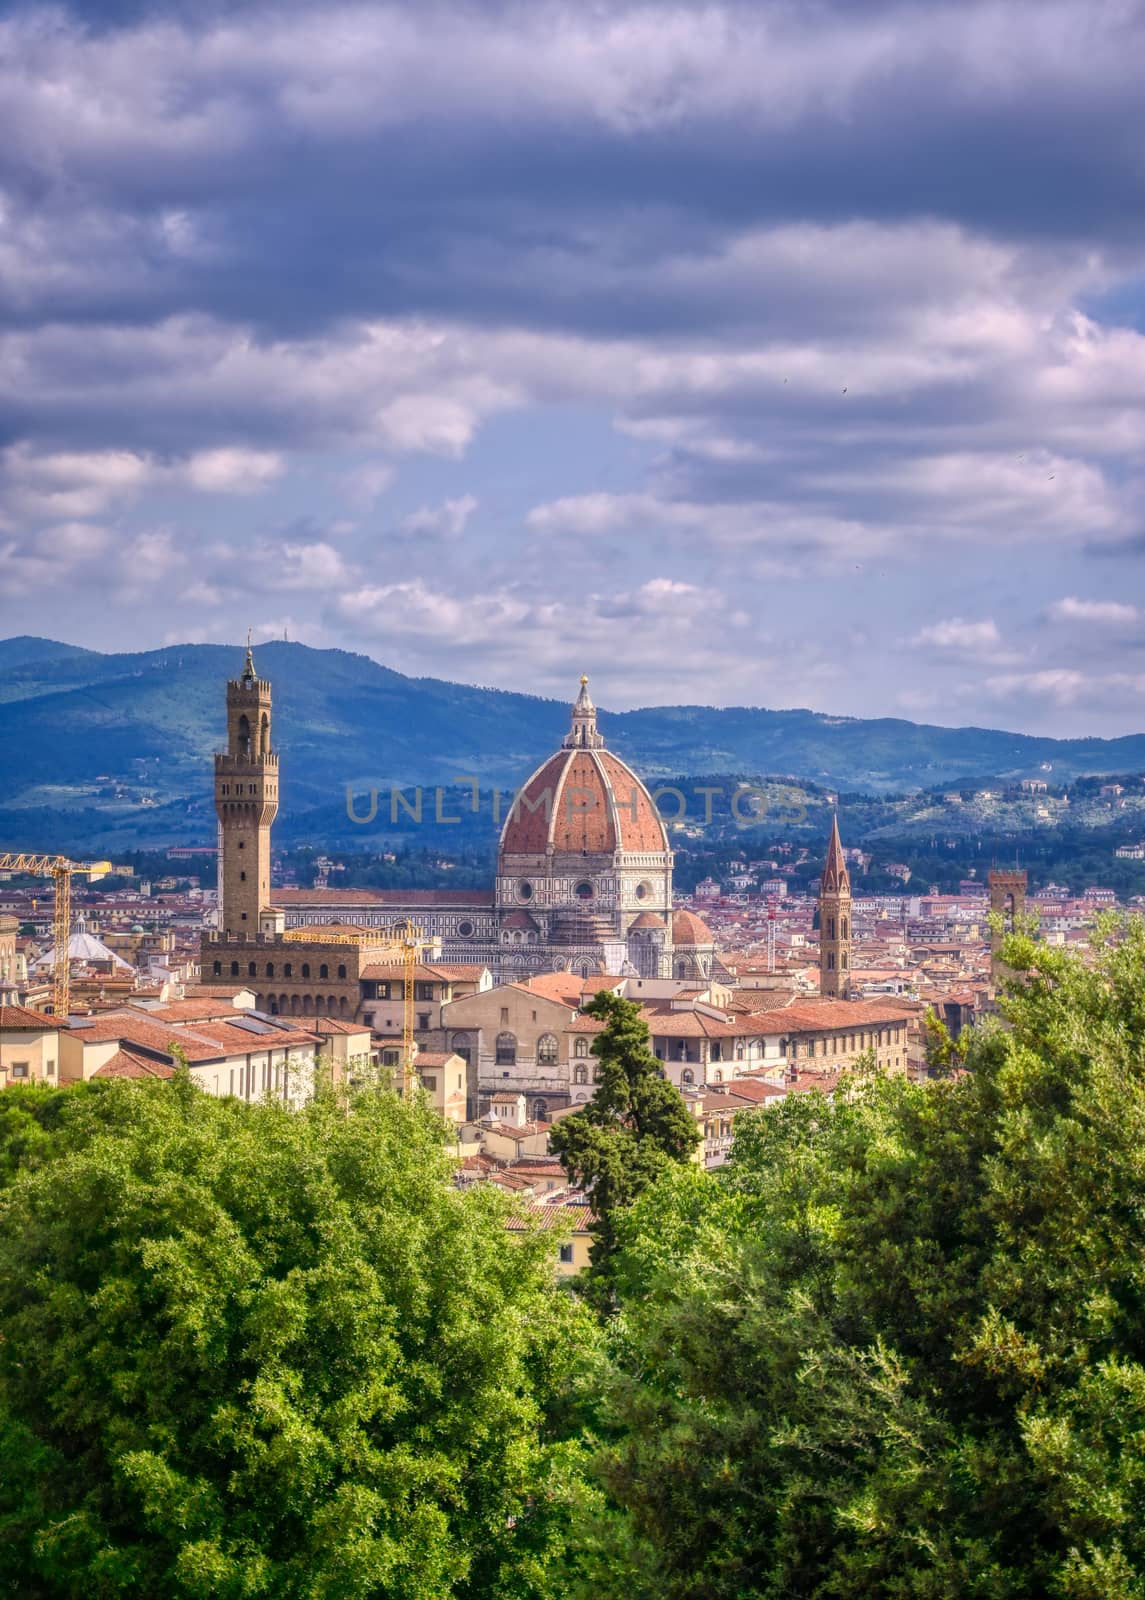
x,y
647,919
583,799
688,928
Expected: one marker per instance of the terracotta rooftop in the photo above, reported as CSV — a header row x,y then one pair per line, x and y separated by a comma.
x,y
127,1064
397,898
688,928
20,1019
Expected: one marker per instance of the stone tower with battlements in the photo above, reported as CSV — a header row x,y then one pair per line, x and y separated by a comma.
x,y
835,922
1008,901
246,799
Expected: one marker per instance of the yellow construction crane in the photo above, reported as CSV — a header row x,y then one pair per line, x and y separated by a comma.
x,y
62,871
403,942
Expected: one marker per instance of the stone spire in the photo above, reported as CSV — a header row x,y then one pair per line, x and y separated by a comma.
x,y
583,735
835,874
835,921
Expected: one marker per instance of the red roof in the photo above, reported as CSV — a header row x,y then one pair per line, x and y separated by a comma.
x,y
126,1064
19,1019
583,800
397,898
688,928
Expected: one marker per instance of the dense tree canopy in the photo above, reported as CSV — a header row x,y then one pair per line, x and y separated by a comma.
x,y
634,1127
899,1347
246,1351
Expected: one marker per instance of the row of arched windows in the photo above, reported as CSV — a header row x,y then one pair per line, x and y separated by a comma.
x,y
287,969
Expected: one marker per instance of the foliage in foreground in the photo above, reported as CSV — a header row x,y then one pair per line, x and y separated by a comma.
x,y
898,1349
633,1129
246,1351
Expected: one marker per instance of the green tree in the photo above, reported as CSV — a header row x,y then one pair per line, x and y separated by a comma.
x,y
246,1351
635,1126
898,1346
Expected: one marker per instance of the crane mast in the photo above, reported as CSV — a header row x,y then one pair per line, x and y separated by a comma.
x,y
61,871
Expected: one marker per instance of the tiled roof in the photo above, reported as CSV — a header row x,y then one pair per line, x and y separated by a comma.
x,y
811,1016
757,1089
394,898
336,1025
20,1019
201,1009
527,1130
567,988
688,928
127,1064
583,800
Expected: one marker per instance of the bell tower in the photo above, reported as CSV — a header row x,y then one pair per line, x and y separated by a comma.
x,y
835,922
246,800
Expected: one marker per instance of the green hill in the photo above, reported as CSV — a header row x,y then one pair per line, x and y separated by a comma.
x,y
121,743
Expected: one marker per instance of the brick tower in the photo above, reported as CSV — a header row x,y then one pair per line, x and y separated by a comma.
x,y
246,799
835,922
1007,900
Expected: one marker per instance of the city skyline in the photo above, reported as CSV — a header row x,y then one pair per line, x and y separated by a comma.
x,y
733,355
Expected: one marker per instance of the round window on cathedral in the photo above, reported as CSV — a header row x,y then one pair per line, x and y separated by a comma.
x,y
465,929
643,890
525,890
584,890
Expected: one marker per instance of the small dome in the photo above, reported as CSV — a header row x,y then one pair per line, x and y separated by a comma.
x,y
520,919
688,928
647,919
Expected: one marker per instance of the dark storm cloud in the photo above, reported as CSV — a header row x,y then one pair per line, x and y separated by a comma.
x,y
573,209
787,293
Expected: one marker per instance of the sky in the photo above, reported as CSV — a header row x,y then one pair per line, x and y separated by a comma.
x,y
746,353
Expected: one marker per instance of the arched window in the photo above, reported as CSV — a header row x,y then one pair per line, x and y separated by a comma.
x,y
846,928
342,970
687,1076
250,971
234,969
264,736
506,1050
218,969
244,736
547,1050
584,890
717,1077
288,970
843,960
462,1046
540,1110
830,961
306,969
270,969
324,971
830,927
580,1074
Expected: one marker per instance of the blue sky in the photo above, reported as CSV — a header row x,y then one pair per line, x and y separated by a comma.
x,y
742,353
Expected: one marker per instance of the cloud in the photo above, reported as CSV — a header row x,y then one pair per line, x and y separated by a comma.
x,y
446,521
1095,613
737,311
232,471
1064,686
955,634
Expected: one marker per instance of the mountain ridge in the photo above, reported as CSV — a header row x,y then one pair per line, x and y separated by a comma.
x,y
135,731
